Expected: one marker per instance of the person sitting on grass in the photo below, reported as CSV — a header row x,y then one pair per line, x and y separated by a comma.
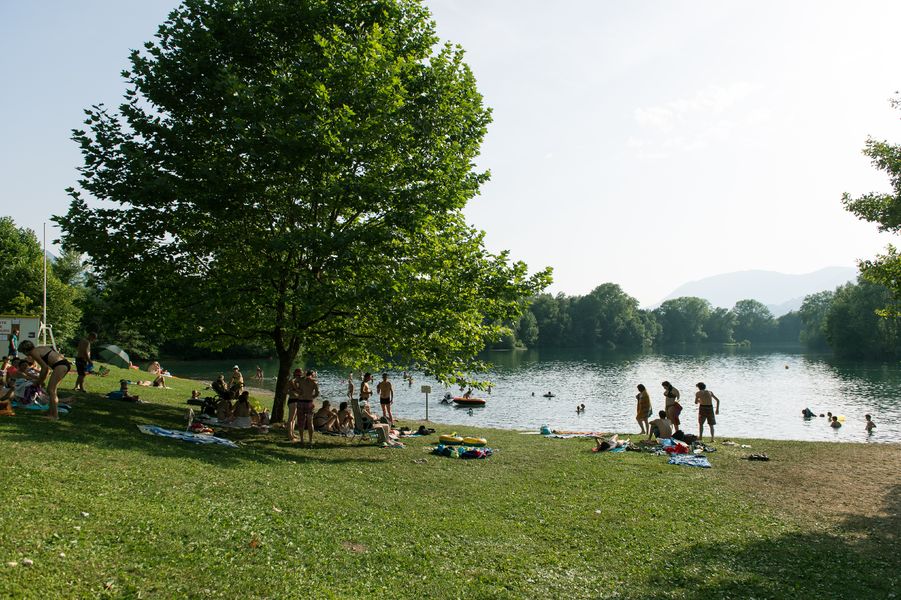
x,y
160,382
126,397
242,414
345,418
660,428
835,423
195,399
224,407
219,386
325,420
870,424
52,363
7,395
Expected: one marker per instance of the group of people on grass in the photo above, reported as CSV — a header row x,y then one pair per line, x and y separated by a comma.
x,y
40,370
303,392
668,420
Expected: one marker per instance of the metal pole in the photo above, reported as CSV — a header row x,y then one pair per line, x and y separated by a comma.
x,y
45,285
426,407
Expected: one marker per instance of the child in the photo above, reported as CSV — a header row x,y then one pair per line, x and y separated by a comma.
x,y
123,389
835,424
195,399
870,424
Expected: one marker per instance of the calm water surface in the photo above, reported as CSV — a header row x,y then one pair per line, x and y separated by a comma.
x,y
762,393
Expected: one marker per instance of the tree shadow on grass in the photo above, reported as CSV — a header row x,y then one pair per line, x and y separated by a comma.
x,y
858,559
102,423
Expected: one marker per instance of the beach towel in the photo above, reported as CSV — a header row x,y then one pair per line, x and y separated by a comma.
x,y
62,409
186,436
690,460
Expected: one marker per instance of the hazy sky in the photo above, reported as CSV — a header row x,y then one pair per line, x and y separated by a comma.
x,y
647,143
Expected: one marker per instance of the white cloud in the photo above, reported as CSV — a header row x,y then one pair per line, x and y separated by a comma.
x,y
711,115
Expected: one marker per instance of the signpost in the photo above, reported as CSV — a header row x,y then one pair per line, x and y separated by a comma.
x,y
426,389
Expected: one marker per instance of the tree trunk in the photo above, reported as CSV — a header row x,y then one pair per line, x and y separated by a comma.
x,y
286,357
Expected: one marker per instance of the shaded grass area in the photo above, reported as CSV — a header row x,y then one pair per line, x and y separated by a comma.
x,y
540,518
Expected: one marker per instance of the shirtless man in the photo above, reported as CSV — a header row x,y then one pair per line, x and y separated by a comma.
x,y
704,399
308,390
660,428
386,397
82,358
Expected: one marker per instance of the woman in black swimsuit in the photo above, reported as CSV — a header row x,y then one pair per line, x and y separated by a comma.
x,y
51,362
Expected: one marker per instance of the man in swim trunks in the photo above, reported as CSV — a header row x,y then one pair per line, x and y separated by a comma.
x,y
308,390
704,399
386,397
82,358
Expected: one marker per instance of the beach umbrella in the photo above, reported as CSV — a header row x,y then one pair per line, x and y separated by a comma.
x,y
114,355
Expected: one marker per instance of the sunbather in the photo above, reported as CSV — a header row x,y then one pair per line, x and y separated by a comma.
x,y
242,413
325,420
603,445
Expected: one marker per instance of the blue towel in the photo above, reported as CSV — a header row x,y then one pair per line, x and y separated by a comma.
x,y
689,460
186,436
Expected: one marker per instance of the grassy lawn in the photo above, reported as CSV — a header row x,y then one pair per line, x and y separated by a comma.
x,y
105,511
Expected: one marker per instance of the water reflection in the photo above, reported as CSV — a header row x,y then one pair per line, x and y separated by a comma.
x,y
762,390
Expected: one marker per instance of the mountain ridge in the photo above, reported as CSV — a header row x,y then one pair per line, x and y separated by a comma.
x,y
781,292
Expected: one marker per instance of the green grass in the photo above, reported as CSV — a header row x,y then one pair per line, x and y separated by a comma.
x,y
541,518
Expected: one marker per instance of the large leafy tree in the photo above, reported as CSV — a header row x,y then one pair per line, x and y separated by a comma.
x,y
753,321
609,318
295,171
22,274
682,319
854,329
814,311
884,209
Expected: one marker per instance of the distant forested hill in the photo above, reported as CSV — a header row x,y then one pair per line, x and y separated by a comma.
x,y
781,292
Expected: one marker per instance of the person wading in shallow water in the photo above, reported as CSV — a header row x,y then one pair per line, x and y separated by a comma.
x,y
704,399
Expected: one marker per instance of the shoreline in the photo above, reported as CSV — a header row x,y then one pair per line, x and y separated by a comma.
x,y
255,392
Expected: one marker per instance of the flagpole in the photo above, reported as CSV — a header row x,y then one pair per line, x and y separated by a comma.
x,y
44,329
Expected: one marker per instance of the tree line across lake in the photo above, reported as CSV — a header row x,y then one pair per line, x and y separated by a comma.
x,y
844,320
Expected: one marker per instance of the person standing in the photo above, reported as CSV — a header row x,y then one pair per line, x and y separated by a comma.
x,y
52,363
83,359
643,410
236,385
386,397
350,386
308,390
365,388
13,340
671,404
704,399
293,400
259,374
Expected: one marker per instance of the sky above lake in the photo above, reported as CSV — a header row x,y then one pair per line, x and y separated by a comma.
x,y
648,143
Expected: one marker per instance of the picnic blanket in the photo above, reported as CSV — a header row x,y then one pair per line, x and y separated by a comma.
x,y
690,460
186,436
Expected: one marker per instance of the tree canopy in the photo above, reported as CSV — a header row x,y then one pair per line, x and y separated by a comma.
x,y
22,273
884,209
295,171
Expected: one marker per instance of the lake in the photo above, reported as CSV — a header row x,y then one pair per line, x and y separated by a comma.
x,y
762,391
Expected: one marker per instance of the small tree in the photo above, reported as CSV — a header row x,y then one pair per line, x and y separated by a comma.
x,y
885,210
295,171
